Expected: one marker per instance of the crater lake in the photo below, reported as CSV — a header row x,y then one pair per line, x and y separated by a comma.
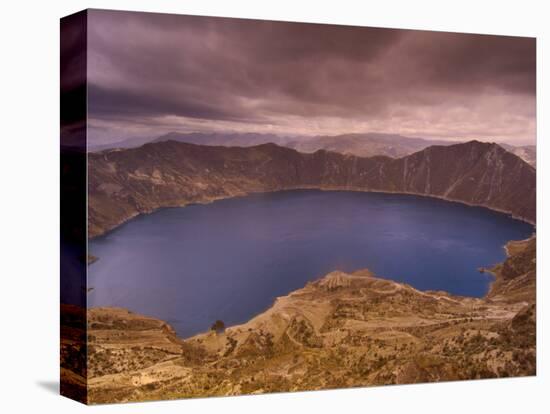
x,y
230,259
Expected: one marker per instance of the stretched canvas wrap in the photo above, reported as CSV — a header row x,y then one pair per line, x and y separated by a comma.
x,y
255,206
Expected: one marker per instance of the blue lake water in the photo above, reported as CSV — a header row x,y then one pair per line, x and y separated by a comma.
x,y
230,259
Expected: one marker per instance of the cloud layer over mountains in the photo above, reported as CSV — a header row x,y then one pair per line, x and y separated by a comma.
x,y
154,73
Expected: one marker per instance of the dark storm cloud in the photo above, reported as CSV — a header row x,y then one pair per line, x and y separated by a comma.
x,y
112,103
194,73
453,60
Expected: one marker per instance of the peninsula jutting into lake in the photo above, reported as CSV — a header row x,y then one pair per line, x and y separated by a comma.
x,y
275,206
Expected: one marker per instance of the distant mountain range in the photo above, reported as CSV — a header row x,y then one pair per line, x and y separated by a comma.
x,y
126,182
362,145
367,145
247,139
528,153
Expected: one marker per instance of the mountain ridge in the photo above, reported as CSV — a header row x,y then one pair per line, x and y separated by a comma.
x,y
367,144
125,183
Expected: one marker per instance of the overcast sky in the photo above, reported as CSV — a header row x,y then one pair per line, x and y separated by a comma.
x,y
153,73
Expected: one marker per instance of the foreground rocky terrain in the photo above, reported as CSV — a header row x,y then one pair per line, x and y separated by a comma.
x,y
344,330
128,182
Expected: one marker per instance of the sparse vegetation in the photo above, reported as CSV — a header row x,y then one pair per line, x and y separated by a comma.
x,y
218,326
319,337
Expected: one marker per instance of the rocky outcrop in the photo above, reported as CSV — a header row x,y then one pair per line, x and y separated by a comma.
x,y
342,330
515,278
125,183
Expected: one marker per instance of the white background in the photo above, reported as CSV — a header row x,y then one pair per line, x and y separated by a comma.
x,y
29,206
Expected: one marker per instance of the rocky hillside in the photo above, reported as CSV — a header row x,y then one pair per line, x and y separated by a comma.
x,y
125,183
343,330
360,144
516,277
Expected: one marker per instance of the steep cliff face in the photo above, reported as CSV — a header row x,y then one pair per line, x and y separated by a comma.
x,y
124,183
475,173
